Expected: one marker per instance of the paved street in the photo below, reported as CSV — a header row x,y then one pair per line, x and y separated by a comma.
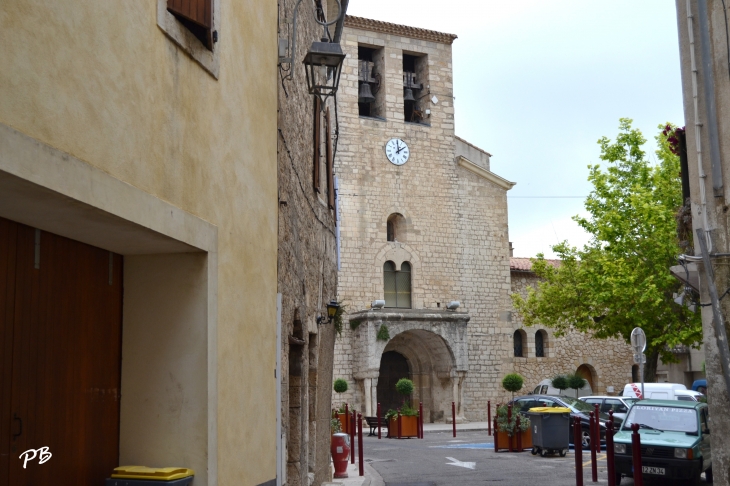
x,y
439,459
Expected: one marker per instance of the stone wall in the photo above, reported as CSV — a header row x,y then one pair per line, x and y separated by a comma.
x,y
610,360
307,267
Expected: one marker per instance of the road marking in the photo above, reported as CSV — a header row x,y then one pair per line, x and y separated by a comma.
x,y
454,462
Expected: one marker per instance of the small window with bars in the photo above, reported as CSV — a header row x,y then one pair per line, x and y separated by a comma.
x,y
397,285
517,338
539,344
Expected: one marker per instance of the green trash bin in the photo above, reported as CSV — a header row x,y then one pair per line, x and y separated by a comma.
x,y
550,430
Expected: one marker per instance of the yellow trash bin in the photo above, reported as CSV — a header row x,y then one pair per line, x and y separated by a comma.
x,y
149,476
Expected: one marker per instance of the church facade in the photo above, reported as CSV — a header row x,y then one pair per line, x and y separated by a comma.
x,y
423,244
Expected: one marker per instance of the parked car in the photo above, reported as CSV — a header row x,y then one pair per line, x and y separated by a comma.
x,y
577,409
661,391
545,387
619,405
675,441
700,386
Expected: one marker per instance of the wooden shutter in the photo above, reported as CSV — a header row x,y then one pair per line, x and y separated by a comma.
x,y
316,141
198,11
330,164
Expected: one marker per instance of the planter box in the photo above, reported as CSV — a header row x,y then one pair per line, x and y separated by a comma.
x,y
344,423
502,441
408,427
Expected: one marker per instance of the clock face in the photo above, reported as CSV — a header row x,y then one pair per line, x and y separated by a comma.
x,y
397,151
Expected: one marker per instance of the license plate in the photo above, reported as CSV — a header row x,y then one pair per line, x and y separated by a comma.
x,y
659,471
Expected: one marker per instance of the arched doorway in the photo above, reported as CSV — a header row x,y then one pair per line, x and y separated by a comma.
x,y
393,367
589,373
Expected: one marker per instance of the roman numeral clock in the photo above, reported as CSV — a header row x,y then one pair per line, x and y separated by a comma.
x,y
397,151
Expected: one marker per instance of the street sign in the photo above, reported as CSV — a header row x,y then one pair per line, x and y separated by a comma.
x,y
640,358
638,340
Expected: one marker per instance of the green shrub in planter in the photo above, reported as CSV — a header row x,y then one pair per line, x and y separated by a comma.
x,y
510,426
340,386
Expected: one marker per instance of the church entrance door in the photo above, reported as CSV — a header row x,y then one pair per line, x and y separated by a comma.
x,y
393,367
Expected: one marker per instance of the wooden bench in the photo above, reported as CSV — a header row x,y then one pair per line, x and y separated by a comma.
x,y
373,424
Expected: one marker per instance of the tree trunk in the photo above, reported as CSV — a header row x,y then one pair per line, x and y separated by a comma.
x,y
652,360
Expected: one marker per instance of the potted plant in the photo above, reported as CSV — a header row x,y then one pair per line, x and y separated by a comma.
x,y
512,430
408,414
340,386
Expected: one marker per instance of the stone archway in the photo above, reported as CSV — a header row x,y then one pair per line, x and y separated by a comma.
x,y
589,373
434,346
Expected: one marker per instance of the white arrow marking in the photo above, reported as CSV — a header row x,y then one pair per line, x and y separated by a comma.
x,y
454,462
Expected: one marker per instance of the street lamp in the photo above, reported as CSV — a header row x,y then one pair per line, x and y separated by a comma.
x,y
323,65
332,309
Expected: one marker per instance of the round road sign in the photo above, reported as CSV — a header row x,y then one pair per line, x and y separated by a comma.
x,y
638,340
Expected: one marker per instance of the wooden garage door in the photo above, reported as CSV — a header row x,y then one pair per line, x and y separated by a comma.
x,y
60,339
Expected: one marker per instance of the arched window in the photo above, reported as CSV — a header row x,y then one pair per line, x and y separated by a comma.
x,y
397,285
517,338
540,344
396,228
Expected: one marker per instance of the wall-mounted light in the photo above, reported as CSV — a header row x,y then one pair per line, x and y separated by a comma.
x,y
377,304
323,62
332,309
453,305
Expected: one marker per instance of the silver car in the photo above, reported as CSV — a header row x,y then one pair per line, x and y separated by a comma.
x,y
619,405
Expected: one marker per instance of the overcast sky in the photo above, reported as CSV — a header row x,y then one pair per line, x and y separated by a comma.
x,y
538,82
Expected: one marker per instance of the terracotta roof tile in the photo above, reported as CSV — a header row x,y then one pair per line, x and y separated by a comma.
x,y
396,29
525,265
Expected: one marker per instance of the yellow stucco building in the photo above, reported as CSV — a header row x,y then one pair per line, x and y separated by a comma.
x,y
138,236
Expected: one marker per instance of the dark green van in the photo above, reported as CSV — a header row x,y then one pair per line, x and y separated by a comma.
x,y
675,441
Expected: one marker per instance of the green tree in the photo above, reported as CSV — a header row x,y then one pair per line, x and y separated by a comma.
x,y
512,383
560,382
575,382
620,279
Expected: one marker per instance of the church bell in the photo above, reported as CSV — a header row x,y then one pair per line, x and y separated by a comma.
x,y
409,95
365,95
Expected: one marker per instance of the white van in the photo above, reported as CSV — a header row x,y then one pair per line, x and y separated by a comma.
x,y
545,387
661,391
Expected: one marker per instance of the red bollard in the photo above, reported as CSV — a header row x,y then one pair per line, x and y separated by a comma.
x,y
340,450
378,421
347,419
577,436
399,423
496,436
418,425
453,417
519,434
592,446
636,446
509,420
352,438
597,430
359,444
610,466
420,413
489,417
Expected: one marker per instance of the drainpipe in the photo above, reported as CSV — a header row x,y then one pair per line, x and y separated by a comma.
x,y
698,130
709,82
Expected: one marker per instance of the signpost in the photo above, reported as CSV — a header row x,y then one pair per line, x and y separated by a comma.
x,y
638,343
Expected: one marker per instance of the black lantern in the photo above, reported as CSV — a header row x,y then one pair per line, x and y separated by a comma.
x,y
332,308
323,64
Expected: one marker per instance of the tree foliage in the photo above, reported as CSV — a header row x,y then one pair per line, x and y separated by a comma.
x,y
404,386
560,382
340,385
575,382
512,382
620,279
